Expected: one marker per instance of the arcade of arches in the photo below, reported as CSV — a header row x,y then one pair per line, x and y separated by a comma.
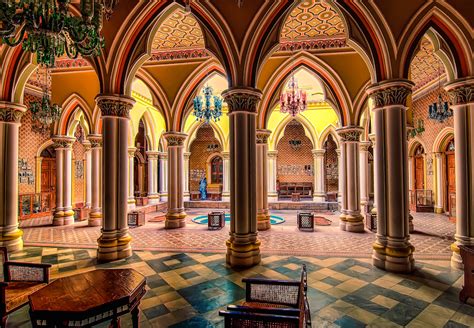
x,y
364,151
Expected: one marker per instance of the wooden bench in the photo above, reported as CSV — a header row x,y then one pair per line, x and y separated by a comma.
x,y
467,291
271,303
287,189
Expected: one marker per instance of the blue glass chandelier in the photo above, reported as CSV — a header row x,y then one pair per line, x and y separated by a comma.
x,y
207,111
439,110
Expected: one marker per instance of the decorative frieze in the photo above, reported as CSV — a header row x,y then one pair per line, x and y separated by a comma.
x,y
390,93
240,100
95,140
175,139
179,54
117,106
262,136
315,44
350,134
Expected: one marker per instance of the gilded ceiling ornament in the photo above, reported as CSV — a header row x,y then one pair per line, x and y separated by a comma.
x,y
242,100
115,106
462,95
175,139
350,134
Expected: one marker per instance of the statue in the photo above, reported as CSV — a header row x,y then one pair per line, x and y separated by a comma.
x,y
203,188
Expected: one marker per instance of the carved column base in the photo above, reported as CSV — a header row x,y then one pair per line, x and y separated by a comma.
x,y
272,197
132,203
411,227
58,218
319,198
263,222
456,260
95,219
164,197
226,196
396,256
68,217
439,210
175,220
153,199
342,221
243,254
114,245
12,240
354,222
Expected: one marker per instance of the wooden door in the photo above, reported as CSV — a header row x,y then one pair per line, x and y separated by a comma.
x,y
419,173
48,182
450,179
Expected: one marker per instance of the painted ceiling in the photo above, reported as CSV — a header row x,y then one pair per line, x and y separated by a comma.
x,y
425,66
179,31
312,19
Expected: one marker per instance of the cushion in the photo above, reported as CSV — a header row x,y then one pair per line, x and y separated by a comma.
x,y
16,293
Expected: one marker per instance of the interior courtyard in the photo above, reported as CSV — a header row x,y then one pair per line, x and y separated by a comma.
x,y
355,114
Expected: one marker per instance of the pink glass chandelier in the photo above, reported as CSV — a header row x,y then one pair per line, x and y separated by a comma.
x,y
293,100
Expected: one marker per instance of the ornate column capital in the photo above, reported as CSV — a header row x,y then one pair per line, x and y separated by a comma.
x,y
175,139
131,151
187,155
152,155
364,145
226,155
163,155
272,153
372,138
318,152
115,105
350,133
95,140
87,146
61,142
390,93
242,99
262,136
11,112
438,155
461,91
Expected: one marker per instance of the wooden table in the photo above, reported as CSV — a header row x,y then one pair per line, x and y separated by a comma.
x,y
87,299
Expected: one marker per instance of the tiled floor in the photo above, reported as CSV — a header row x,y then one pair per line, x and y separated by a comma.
x,y
432,238
188,289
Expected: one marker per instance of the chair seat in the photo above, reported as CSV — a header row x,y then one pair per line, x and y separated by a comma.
x,y
16,293
265,305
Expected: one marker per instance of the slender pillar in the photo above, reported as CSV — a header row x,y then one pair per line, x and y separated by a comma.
x,y
341,177
243,247
163,158
373,211
392,248
95,215
153,195
461,93
263,215
88,166
226,176
10,116
115,240
319,194
439,208
64,215
351,219
272,175
411,165
364,173
187,195
131,176
175,218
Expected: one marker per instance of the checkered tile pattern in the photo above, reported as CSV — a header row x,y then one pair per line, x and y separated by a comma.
x,y
188,289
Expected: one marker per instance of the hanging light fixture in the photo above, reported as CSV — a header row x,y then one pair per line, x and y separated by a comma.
x,y
206,111
439,110
43,112
48,29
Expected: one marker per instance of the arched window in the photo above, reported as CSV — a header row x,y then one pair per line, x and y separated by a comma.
x,y
216,170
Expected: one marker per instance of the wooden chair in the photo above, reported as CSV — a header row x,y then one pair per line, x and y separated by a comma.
x,y
271,303
467,291
20,280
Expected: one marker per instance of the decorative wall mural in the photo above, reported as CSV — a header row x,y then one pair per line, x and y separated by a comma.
x,y
25,173
295,170
79,169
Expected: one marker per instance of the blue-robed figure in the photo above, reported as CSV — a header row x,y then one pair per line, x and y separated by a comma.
x,y
203,188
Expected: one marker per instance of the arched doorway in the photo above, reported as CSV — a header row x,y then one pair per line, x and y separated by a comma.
x,y
419,168
450,200
217,166
331,169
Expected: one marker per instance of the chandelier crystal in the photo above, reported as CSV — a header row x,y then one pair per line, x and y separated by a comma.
x,y
207,111
439,110
293,100
48,29
43,112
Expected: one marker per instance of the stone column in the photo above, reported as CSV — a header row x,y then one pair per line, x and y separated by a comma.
x,y
163,158
187,195
392,248
341,177
272,175
263,215
115,240
226,176
10,116
95,215
364,173
243,247
153,196
461,93
131,178
319,194
175,217
351,219
373,211
88,166
64,215
439,208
